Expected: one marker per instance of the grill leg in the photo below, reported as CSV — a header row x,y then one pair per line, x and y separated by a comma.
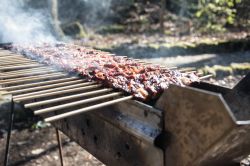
x,y
59,146
11,119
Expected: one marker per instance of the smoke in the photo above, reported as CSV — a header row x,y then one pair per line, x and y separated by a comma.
x,y
98,11
20,24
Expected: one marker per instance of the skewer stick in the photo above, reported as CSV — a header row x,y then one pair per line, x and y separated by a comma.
x,y
19,64
14,61
206,77
20,67
79,111
21,71
59,99
28,74
44,87
57,93
25,85
11,56
76,103
187,69
199,74
33,79
56,89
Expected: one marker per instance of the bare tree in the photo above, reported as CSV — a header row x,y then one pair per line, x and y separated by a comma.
x,y
53,8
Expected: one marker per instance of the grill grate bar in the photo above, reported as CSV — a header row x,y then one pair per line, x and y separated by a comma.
x,y
77,103
56,93
32,78
187,69
206,77
20,67
85,109
64,98
32,89
25,85
13,61
20,63
56,89
21,71
42,72
12,56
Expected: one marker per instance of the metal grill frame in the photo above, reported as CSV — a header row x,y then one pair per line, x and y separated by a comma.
x,y
141,134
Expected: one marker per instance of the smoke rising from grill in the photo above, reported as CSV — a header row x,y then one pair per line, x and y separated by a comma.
x,y
21,24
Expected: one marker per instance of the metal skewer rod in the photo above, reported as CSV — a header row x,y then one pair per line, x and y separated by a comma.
x,y
33,79
25,85
76,103
28,74
187,69
57,93
45,87
20,67
11,56
56,89
19,63
2,55
206,77
14,61
200,74
5,53
21,71
85,94
79,111
169,68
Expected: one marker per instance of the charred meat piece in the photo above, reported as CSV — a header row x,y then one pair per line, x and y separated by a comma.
x,y
144,82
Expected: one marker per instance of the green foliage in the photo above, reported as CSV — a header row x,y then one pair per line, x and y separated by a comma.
x,y
40,124
215,14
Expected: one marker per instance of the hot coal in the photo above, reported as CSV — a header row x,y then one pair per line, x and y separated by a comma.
x,y
144,82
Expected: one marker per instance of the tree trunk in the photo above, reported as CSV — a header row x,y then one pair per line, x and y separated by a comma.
x,y
53,8
162,12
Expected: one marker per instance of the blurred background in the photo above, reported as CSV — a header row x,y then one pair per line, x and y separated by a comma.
x,y
211,36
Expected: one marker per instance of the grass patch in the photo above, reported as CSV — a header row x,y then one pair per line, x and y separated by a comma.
x,y
233,68
114,28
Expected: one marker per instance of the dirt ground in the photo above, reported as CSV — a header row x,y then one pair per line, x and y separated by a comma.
x,y
39,147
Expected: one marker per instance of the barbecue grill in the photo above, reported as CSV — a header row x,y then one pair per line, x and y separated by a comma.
x,y
202,124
